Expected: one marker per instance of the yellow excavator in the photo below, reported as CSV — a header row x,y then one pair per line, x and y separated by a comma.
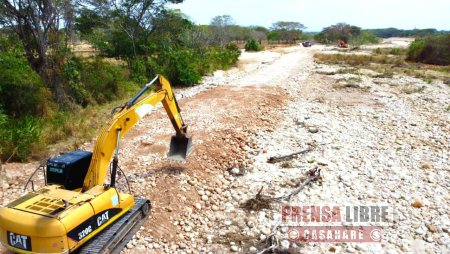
x,y
77,210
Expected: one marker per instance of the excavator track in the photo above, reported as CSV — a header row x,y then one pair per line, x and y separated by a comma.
x,y
114,238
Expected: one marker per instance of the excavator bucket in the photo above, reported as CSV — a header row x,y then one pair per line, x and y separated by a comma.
x,y
180,147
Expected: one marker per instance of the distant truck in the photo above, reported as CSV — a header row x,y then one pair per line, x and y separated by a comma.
x,y
306,44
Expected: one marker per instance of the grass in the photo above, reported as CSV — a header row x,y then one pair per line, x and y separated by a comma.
x,y
69,130
385,73
36,138
410,89
387,62
390,51
353,82
356,60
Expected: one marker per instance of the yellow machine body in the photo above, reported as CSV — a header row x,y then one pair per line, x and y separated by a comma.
x,y
40,222
57,220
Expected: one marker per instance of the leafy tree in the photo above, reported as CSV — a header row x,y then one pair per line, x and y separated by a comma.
x,y
288,26
340,31
199,36
88,20
258,33
129,25
222,21
37,25
286,31
169,28
394,32
220,26
347,33
274,36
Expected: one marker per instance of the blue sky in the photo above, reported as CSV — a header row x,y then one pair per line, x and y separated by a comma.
x,y
316,14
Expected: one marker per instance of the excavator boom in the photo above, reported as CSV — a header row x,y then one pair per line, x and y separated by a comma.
x,y
125,118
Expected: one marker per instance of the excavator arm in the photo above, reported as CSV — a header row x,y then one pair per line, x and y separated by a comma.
x,y
125,118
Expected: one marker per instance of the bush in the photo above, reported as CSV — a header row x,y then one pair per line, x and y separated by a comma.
x,y
139,71
22,91
390,51
180,66
224,58
186,66
356,60
431,50
252,45
92,81
364,38
102,80
19,137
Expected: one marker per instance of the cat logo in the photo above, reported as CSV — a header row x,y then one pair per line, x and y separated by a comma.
x,y
19,241
102,218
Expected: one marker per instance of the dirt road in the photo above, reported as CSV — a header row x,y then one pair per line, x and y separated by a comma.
x,y
374,144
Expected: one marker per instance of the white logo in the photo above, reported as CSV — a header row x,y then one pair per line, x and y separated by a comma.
x,y
375,235
293,234
102,218
19,241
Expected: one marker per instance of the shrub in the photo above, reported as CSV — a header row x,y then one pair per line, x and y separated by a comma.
x,y
390,51
356,60
19,137
186,66
252,45
92,81
430,50
138,71
233,53
102,79
225,58
397,51
22,91
180,66
364,38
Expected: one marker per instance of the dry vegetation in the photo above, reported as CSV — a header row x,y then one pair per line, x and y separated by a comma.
x,y
386,62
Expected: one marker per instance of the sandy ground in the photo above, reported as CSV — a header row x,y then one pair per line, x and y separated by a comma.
x,y
375,143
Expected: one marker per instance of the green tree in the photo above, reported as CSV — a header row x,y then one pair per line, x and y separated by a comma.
x,y
88,20
128,28
286,31
340,31
221,29
37,24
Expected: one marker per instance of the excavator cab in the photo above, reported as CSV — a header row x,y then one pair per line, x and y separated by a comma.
x,y
180,147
